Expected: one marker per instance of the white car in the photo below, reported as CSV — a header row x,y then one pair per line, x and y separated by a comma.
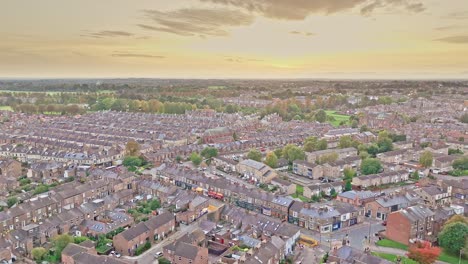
x,y
158,254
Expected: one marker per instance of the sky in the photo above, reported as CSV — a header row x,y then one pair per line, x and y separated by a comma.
x,y
398,39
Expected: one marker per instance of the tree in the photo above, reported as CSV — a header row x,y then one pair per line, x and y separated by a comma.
x,y
464,118
132,161
271,160
163,261
132,148
349,173
60,242
363,128
278,153
12,201
321,116
327,158
209,152
178,159
195,159
426,159
310,144
333,193
345,142
292,152
370,166
348,186
322,144
456,219
254,154
461,163
452,237
423,253
38,253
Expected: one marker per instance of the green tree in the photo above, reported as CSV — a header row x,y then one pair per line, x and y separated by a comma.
x,y
349,173
12,201
310,144
255,154
132,161
178,159
195,159
327,158
453,237
60,242
322,144
38,253
321,116
426,159
333,193
363,128
370,166
292,152
345,142
464,118
163,261
209,152
461,163
278,153
348,186
42,188
271,160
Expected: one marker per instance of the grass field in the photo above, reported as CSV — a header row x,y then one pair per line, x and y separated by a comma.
x,y
392,258
299,189
338,118
391,244
5,108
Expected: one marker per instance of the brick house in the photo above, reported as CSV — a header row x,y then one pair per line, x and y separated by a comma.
x,y
184,253
357,198
433,195
382,207
154,229
10,168
410,224
257,170
307,169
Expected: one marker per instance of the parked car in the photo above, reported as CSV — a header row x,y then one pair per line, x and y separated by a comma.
x,y
158,254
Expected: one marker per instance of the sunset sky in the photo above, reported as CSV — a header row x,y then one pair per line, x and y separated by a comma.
x,y
234,38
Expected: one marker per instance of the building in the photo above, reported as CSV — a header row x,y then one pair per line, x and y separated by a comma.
x,y
257,170
433,195
10,168
185,253
307,169
154,229
357,198
411,224
382,207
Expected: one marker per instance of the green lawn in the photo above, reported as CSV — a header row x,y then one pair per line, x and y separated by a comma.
x,y
299,189
6,108
338,117
393,258
301,197
391,244
450,258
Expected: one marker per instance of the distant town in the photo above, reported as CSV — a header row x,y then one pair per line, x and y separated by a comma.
x,y
233,171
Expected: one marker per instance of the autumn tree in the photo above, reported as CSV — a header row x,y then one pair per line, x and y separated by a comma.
x,y
132,148
271,160
423,252
426,159
254,154
455,219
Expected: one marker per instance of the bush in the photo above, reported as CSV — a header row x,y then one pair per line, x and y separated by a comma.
x,y
142,249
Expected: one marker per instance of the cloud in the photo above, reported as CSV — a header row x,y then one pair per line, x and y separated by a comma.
x,y
137,55
300,9
459,15
109,33
192,22
447,28
240,59
304,33
462,39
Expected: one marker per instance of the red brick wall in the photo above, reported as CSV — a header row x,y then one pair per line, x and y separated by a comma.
x,y
398,228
